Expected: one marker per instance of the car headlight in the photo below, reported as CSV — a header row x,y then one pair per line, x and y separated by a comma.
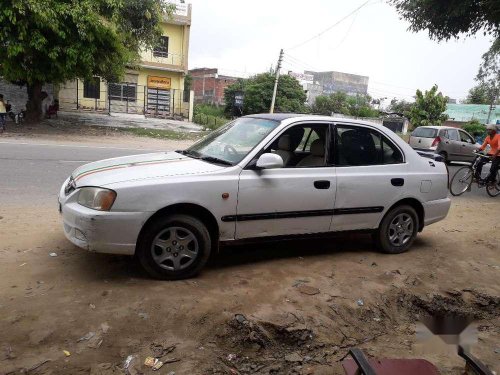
x,y
96,198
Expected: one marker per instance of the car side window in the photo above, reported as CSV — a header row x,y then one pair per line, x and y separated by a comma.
x,y
464,137
358,146
302,145
453,135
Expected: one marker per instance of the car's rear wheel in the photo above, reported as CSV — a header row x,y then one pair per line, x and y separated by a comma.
x,y
174,247
398,230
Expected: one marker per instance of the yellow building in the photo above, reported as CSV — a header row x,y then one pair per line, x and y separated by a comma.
x,y
155,88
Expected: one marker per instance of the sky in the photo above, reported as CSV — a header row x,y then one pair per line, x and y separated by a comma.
x,y
243,38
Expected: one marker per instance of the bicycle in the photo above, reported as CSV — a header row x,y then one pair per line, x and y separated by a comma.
x,y
463,179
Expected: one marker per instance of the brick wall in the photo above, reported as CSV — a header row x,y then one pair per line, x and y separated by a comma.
x,y
17,95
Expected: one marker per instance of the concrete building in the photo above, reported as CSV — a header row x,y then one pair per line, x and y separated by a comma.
x,y
208,85
331,82
156,88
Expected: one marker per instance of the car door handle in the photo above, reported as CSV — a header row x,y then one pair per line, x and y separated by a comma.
x,y
397,181
322,184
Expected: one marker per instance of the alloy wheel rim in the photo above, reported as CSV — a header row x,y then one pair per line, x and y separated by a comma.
x,y
175,248
401,229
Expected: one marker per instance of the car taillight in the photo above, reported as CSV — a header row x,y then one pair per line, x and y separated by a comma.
x,y
436,141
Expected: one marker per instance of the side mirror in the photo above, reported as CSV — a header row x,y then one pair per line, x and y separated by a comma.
x,y
269,161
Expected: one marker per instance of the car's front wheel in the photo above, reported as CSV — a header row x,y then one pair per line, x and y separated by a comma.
x,y
398,230
174,247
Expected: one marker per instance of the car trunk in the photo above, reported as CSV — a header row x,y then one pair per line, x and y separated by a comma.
x,y
423,138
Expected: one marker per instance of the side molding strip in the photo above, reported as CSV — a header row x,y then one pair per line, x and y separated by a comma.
x,y
297,214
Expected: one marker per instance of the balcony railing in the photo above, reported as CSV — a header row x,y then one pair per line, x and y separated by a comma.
x,y
163,58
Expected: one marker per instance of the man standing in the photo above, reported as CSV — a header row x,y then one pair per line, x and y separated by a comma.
x,y
493,140
3,113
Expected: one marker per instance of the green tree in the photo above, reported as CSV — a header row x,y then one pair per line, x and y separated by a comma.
x,y
489,71
333,103
475,128
428,108
479,94
451,19
339,102
53,41
401,107
258,91
359,106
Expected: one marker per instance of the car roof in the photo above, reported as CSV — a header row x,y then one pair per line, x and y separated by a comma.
x,y
304,117
438,127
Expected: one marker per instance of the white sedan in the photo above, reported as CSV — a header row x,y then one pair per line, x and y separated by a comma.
x,y
260,176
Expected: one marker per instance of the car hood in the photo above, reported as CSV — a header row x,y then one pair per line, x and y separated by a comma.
x,y
137,167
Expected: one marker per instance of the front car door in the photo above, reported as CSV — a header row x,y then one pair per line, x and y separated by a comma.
x,y
453,145
296,199
468,145
370,176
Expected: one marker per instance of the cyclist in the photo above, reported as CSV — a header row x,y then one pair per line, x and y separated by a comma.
x,y
493,140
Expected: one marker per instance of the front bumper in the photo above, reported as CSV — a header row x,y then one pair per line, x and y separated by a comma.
x,y
98,231
436,210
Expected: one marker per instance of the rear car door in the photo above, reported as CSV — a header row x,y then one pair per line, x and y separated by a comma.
x,y
453,145
468,145
296,199
371,175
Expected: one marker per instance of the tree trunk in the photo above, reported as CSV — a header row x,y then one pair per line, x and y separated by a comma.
x,y
34,105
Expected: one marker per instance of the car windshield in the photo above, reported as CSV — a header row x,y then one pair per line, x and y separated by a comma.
x,y
231,143
424,132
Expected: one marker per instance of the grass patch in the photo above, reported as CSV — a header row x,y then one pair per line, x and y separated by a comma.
x,y
163,134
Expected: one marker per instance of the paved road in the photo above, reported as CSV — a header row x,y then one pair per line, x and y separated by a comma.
x,y
33,172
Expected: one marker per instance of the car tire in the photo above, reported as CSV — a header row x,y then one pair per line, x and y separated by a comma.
x,y
183,243
398,230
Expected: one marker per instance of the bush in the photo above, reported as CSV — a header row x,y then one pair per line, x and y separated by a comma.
x,y
208,109
475,128
209,116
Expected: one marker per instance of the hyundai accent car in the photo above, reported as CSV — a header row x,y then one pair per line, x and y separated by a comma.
x,y
258,177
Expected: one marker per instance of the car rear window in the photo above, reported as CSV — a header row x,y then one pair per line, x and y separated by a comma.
x,y
424,132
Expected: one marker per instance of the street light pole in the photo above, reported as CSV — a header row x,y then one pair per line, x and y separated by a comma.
x,y
273,100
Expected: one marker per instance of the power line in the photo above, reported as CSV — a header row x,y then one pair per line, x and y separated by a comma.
x,y
347,33
299,62
330,27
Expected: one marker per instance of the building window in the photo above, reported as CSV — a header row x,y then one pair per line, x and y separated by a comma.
x,y
91,88
123,91
161,50
208,92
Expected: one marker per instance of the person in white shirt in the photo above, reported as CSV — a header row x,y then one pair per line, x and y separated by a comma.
x,y
47,101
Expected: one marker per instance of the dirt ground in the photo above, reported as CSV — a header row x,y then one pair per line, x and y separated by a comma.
x,y
282,308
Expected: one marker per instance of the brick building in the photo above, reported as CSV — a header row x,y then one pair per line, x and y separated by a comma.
x,y
208,85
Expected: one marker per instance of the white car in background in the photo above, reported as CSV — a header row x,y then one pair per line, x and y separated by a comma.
x,y
260,176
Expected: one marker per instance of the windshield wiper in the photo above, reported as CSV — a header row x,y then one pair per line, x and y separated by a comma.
x,y
190,153
212,159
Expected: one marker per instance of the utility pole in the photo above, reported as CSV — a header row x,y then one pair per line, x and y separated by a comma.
x,y
278,67
492,108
